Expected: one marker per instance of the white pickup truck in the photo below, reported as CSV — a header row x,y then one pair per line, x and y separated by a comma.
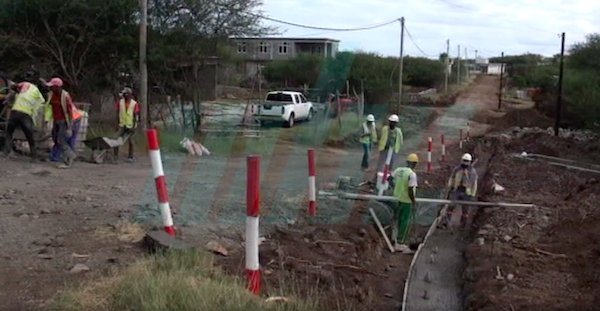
x,y
284,106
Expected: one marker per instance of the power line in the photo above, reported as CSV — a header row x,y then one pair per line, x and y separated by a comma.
x,y
325,28
415,44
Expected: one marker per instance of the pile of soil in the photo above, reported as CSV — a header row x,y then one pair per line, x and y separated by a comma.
x,y
522,118
536,258
344,267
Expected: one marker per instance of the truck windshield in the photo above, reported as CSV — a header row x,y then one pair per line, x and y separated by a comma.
x,y
279,97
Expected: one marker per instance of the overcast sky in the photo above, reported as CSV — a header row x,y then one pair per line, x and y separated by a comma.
x,y
489,26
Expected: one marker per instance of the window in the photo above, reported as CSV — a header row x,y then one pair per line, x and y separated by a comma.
x,y
279,97
283,48
241,47
298,101
263,47
303,99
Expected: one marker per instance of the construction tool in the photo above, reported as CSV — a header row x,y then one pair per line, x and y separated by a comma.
x,y
385,237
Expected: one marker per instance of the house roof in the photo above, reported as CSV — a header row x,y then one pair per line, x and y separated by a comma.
x,y
306,40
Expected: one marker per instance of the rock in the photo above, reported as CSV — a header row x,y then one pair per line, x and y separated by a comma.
x,y
79,268
113,260
480,241
497,188
268,271
45,256
88,199
488,227
388,295
24,217
507,238
483,232
159,240
217,248
362,232
510,277
45,211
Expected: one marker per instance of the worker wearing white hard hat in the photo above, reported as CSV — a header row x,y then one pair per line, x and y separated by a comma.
x,y
462,186
390,143
367,139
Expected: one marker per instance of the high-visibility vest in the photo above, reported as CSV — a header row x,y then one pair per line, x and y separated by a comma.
x,y
28,100
384,138
49,115
401,176
370,132
126,115
466,178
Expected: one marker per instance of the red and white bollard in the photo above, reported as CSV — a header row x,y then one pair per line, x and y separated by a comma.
x,y
443,149
429,147
161,182
252,215
312,187
386,171
460,139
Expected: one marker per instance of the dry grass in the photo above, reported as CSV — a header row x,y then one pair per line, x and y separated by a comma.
x,y
183,280
123,231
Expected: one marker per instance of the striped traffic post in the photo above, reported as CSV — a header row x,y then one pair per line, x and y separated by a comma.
x,y
429,147
252,215
160,181
386,171
443,148
312,188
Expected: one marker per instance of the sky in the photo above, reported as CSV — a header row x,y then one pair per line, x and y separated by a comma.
x,y
488,26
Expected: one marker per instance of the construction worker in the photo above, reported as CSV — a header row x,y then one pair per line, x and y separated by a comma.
x,y
76,117
404,180
367,139
391,140
59,110
26,101
462,186
128,113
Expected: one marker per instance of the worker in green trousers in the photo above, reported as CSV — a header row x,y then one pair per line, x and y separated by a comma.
x,y
405,186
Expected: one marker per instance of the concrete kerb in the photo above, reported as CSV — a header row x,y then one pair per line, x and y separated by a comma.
x,y
418,252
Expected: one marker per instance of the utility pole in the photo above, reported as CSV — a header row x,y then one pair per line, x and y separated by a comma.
x,y
401,63
560,82
467,63
447,63
458,64
143,66
501,74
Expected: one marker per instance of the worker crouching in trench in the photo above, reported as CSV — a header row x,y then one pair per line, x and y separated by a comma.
x,y
462,186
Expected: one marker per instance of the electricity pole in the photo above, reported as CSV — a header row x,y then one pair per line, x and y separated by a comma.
x,y
401,63
447,63
143,67
560,82
467,64
458,66
500,90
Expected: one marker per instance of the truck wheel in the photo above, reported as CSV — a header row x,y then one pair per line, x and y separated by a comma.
x,y
311,113
290,121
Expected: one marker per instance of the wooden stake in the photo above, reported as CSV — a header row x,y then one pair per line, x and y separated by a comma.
x,y
387,240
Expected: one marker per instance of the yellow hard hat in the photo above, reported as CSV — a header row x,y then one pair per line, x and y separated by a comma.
x,y
412,158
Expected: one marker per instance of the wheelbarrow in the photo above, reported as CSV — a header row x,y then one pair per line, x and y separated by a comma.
x,y
101,145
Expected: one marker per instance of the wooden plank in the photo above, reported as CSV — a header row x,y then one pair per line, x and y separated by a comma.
x,y
385,237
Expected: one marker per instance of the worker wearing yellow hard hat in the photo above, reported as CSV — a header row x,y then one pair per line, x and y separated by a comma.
x,y
405,187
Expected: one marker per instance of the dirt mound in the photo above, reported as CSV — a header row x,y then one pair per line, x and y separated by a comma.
x,y
522,118
542,258
345,267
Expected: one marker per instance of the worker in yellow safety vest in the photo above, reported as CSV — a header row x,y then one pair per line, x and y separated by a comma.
x,y
128,113
391,140
462,186
26,100
367,139
404,180
59,111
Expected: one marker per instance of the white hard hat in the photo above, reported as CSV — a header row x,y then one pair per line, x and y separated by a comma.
x,y
370,117
394,118
467,157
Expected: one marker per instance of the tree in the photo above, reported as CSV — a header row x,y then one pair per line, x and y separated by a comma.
x,y
78,40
